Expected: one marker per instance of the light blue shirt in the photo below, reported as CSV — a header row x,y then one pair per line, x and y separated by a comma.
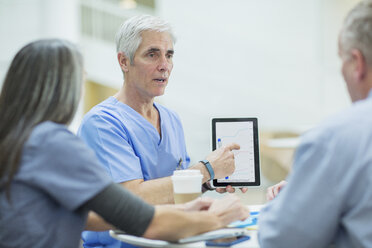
x,y
328,198
130,147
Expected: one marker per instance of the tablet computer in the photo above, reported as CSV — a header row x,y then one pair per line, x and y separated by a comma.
x,y
243,131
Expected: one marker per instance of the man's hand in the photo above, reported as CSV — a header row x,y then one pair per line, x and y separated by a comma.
x,y
230,189
273,191
222,160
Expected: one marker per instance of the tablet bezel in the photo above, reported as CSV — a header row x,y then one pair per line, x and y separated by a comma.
x,y
257,181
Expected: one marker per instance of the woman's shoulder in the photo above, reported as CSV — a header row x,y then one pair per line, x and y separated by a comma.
x,y
49,129
50,135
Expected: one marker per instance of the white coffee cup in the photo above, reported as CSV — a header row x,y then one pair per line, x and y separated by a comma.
x,y
186,185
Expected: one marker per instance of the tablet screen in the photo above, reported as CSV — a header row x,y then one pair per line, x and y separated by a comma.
x,y
244,132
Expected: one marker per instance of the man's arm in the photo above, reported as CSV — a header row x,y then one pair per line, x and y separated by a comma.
x,y
156,191
160,191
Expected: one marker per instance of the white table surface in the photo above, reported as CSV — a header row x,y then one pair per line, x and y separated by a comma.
x,y
251,243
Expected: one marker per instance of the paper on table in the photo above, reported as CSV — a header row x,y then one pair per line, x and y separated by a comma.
x,y
249,223
216,234
144,242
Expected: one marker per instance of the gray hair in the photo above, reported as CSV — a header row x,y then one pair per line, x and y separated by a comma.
x,y
44,79
128,38
43,83
357,30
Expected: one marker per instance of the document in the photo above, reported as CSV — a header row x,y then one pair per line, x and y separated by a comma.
x,y
144,242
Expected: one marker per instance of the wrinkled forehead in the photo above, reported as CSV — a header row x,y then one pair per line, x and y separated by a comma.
x,y
156,39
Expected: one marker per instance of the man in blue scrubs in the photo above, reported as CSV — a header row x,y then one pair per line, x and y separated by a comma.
x,y
328,198
141,142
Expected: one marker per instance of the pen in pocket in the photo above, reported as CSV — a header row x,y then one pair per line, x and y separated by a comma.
x,y
179,166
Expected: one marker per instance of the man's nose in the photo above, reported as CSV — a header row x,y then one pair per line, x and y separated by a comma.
x,y
164,64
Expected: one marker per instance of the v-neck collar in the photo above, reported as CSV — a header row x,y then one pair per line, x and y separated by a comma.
x,y
144,120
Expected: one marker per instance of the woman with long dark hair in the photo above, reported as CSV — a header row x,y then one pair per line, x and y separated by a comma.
x,y
49,179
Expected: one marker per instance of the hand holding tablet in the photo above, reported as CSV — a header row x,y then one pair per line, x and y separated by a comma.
x,y
244,132
222,160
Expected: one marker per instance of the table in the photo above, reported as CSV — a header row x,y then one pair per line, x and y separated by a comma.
x,y
143,242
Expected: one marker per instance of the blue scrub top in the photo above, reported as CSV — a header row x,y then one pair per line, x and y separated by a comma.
x,y
57,174
130,147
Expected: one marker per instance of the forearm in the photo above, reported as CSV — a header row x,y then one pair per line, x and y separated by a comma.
x,y
200,166
155,192
159,191
122,209
97,223
171,224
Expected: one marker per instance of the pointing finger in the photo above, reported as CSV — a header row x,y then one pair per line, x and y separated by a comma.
x,y
233,146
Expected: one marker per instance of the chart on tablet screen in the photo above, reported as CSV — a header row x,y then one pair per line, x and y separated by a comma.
x,y
242,134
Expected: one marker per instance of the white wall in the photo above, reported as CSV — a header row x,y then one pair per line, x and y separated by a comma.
x,y
22,21
18,22
276,60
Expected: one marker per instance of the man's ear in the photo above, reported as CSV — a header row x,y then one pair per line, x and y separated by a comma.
x,y
123,61
360,64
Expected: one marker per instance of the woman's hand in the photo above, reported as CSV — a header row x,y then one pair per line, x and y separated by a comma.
x,y
198,204
229,209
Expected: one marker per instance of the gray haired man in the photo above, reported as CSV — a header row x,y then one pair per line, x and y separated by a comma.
x,y
138,141
328,197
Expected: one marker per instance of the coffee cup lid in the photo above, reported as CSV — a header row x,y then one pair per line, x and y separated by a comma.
x,y
186,173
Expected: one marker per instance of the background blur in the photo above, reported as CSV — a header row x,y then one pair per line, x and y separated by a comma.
x,y
271,59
